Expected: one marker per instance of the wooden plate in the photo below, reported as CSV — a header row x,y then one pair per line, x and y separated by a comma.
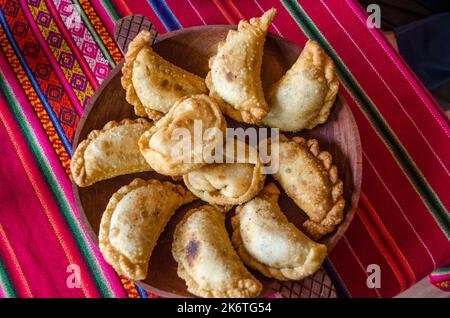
x,y
191,49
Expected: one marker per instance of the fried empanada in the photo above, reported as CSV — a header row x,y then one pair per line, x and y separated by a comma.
x,y
153,84
235,70
169,151
265,239
133,220
303,97
309,178
225,183
206,258
110,152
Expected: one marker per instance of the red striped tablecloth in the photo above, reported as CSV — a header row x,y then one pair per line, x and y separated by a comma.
x,y
55,53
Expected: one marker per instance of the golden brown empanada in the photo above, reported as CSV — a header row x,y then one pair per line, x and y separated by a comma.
x,y
303,97
206,258
133,220
153,84
110,152
309,178
164,149
235,70
265,239
228,183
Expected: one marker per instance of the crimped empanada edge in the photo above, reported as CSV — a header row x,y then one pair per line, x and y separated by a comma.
x,y
255,187
173,171
331,80
252,113
147,152
271,192
119,262
249,287
333,87
77,164
334,216
142,40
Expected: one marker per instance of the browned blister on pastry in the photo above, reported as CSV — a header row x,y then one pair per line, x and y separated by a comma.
x,y
311,180
206,258
266,241
303,97
173,148
110,152
225,183
153,84
235,70
133,220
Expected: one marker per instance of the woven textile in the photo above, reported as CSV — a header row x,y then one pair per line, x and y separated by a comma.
x,y
55,53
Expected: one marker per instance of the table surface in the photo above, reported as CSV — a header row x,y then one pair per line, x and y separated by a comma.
x,y
423,289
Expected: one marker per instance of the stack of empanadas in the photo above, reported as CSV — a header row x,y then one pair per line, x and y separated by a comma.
x,y
301,99
164,146
179,105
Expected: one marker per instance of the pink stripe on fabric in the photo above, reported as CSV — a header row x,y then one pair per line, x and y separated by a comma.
x,y
424,252
26,232
185,9
121,7
31,265
361,15
81,37
144,8
285,22
337,273
438,277
207,11
360,244
232,8
405,70
250,9
405,216
229,17
351,272
15,269
62,78
50,209
387,87
419,89
365,251
59,172
397,181
403,129
262,10
107,21
39,131
196,12
70,42
359,261
380,234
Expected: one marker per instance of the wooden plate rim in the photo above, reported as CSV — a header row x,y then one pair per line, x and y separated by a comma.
x,y
83,217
